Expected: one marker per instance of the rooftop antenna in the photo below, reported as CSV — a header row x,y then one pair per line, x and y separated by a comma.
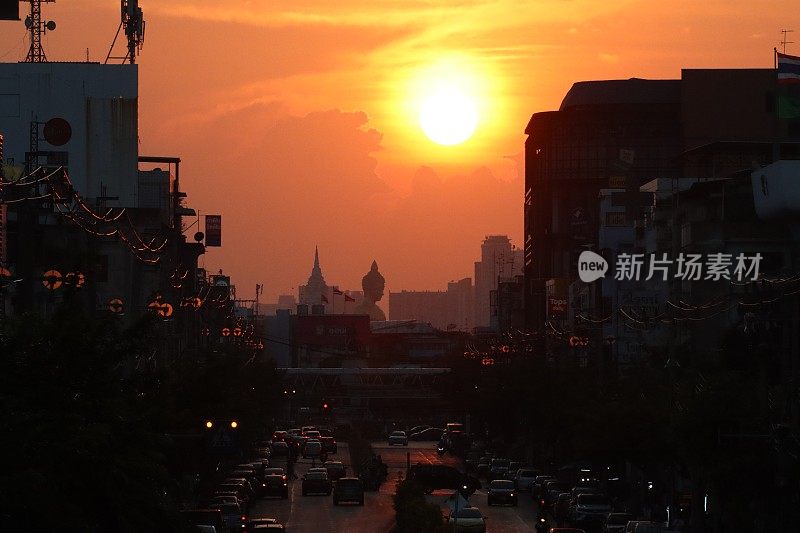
x,y
132,20
784,42
37,27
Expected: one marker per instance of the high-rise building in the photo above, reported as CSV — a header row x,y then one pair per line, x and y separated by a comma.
x,y
499,259
606,134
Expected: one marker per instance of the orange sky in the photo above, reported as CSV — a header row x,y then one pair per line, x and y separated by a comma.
x,y
295,120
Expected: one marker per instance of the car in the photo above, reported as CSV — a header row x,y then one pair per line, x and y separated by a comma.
x,y
329,444
511,473
348,489
552,490
211,517
471,460
483,466
269,527
561,506
590,509
312,434
566,530
642,526
255,523
616,522
306,429
336,470
502,491
276,485
398,437
316,483
525,478
223,498
274,470
244,482
279,436
538,485
586,489
279,449
225,495
468,519
233,488
428,434
439,476
312,448
498,468
232,516
456,441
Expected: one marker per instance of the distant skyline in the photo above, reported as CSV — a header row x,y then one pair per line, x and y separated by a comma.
x,y
299,121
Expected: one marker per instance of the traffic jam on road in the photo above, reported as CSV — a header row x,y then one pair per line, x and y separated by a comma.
x,y
292,481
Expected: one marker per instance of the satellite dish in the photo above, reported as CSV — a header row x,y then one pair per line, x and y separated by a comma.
x,y
199,236
51,25
28,22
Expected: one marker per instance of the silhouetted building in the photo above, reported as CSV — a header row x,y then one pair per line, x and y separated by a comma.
x,y
313,292
618,133
499,259
507,304
449,310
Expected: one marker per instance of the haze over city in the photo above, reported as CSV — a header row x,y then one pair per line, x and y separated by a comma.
x,y
300,120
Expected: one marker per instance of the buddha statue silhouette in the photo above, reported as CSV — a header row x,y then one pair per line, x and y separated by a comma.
x,y
373,284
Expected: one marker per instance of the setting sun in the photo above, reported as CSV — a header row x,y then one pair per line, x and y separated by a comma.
x,y
448,117
447,100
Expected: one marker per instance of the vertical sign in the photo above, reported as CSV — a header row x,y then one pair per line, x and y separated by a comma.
x,y
213,230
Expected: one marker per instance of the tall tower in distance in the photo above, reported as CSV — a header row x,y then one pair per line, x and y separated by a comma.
x,y
499,259
312,292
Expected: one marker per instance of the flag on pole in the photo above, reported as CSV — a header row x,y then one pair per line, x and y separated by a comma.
x,y
337,291
788,85
348,298
324,299
788,68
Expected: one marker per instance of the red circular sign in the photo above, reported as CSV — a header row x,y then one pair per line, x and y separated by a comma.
x,y
57,131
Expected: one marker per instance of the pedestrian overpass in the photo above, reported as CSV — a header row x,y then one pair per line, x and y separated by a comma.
x,y
366,383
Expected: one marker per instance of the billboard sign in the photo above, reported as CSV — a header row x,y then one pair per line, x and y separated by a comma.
x,y
213,230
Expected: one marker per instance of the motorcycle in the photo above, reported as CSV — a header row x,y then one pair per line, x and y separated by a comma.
x,y
541,525
440,450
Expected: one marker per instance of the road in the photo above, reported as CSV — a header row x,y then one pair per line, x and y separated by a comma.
x,y
317,514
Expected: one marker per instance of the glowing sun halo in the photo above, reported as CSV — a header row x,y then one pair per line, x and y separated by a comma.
x,y
448,116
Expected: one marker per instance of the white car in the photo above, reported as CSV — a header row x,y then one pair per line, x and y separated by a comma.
x,y
468,519
524,479
398,437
